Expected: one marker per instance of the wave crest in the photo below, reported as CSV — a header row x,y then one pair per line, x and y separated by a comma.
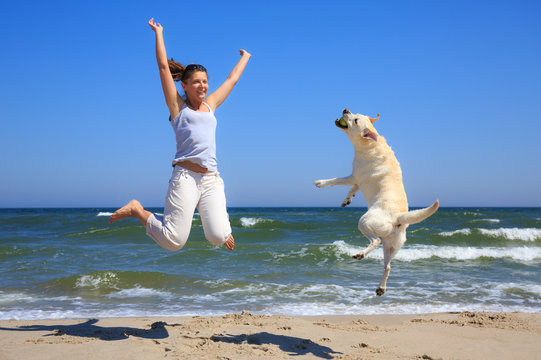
x,y
250,221
99,280
461,253
527,234
451,233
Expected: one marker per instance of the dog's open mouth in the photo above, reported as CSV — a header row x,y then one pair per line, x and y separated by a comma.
x,y
341,123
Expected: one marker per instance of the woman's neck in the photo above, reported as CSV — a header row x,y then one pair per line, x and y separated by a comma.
x,y
194,104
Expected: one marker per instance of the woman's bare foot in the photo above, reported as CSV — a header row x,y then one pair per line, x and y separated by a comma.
x,y
230,243
132,209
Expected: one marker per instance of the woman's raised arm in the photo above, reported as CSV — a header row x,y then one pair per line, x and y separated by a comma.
x,y
218,97
172,98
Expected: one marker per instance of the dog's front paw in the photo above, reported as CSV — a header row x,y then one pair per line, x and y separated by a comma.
x,y
380,291
320,183
358,256
345,203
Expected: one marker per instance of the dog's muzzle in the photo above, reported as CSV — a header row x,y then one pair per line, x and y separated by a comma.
x,y
341,124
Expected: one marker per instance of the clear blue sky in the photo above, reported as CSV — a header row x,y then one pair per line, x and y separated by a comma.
x,y
457,83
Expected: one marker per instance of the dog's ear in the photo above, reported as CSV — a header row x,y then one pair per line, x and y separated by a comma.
x,y
373,120
369,135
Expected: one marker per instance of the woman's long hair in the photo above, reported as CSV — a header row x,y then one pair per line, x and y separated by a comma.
x,y
183,73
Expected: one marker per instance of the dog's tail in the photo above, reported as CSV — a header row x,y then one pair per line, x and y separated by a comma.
x,y
415,216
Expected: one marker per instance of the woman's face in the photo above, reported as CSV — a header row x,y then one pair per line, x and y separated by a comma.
x,y
196,87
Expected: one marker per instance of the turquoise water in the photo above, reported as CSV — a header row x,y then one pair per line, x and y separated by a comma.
x,y
63,263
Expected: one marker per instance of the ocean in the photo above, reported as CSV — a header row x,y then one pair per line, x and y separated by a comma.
x,y
70,263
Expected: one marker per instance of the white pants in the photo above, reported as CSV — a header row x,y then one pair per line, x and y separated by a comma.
x,y
188,190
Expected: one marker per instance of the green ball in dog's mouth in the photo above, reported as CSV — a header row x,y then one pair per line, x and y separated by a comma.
x,y
342,122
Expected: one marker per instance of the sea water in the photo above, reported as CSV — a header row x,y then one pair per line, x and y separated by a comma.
x,y
71,263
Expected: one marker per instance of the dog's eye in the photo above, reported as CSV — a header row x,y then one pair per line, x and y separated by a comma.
x,y
355,121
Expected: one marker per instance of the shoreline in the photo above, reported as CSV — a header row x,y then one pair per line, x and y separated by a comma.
x,y
455,335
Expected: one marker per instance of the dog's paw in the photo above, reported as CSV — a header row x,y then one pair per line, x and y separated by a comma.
x,y
319,183
345,203
380,291
358,256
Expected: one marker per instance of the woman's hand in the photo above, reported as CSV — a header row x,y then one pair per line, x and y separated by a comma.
x,y
156,26
217,97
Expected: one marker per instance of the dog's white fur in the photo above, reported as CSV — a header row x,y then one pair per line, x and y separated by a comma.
x,y
376,172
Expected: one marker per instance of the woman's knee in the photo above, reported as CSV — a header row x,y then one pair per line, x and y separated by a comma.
x,y
217,239
174,246
176,241
170,241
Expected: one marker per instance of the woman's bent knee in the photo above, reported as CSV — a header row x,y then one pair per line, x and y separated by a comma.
x,y
167,237
170,244
217,239
170,241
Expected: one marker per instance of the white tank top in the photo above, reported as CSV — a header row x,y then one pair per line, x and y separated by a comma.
x,y
195,132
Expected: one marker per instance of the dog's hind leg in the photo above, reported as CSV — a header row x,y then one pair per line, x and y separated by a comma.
x,y
374,242
388,254
386,270
350,196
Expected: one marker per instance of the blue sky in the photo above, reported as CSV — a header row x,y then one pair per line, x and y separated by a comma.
x,y
457,83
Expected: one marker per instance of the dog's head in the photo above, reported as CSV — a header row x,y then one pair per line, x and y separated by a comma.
x,y
358,127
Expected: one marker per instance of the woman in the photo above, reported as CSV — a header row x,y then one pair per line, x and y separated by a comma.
x,y
195,181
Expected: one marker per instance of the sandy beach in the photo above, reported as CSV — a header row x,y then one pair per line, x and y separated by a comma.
x,y
464,335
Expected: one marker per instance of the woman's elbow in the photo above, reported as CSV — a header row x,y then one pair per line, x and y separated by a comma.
x,y
232,80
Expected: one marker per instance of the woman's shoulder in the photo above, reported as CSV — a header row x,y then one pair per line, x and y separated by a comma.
x,y
211,110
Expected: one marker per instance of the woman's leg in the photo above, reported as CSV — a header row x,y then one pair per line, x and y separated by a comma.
x,y
132,209
172,230
213,211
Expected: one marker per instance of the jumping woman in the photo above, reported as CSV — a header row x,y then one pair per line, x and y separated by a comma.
x,y
195,182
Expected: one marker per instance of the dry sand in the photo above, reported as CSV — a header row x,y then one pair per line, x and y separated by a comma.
x,y
247,336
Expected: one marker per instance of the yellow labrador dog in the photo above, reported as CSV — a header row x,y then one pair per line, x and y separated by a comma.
x,y
376,172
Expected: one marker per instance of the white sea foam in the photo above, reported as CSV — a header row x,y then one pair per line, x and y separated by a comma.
x,y
335,308
104,213
451,233
294,309
420,252
505,287
317,290
18,297
296,299
215,283
486,220
466,253
14,297
340,248
525,234
296,253
250,221
139,292
96,281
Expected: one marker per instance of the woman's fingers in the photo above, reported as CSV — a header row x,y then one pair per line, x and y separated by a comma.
x,y
155,26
